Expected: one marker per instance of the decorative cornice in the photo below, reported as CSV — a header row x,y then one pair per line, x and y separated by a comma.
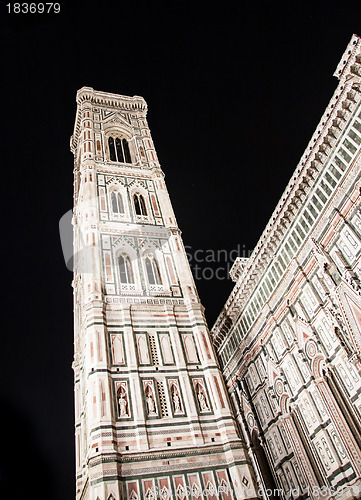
x,y
331,125
127,103
350,62
237,268
163,454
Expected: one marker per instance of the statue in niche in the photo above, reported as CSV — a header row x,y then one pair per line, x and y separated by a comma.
x,y
202,400
122,402
150,403
176,401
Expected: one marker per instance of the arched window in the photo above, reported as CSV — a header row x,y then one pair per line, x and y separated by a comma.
x,y
119,150
125,269
152,268
111,149
139,204
117,203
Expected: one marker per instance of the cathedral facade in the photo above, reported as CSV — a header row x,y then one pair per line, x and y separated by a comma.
x,y
268,404
289,337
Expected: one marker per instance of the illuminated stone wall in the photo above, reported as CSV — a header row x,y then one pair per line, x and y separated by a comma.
x,y
289,337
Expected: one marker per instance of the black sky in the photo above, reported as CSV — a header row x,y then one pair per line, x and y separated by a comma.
x,y
234,92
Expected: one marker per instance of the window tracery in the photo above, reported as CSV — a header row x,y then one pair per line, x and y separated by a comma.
x,y
125,269
119,150
152,268
117,203
139,204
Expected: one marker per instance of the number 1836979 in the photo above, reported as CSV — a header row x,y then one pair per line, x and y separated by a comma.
x,y
33,8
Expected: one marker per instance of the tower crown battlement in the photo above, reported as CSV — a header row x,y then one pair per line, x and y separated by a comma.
x,y
87,97
128,103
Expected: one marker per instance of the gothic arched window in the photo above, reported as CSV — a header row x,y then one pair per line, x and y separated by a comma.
x,y
119,150
152,268
139,204
125,269
117,203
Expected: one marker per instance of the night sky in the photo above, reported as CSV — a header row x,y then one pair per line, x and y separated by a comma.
x,y
234,94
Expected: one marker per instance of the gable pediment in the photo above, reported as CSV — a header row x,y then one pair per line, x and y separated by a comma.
x,y
115,118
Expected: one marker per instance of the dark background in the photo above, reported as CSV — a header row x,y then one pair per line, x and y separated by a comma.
x,y
234,91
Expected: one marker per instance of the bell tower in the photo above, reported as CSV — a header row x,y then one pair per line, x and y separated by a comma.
x,y
152,414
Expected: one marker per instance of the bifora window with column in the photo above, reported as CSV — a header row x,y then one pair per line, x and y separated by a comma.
x,y
139,204
125,269
117,203
126,273
153,273
119,149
